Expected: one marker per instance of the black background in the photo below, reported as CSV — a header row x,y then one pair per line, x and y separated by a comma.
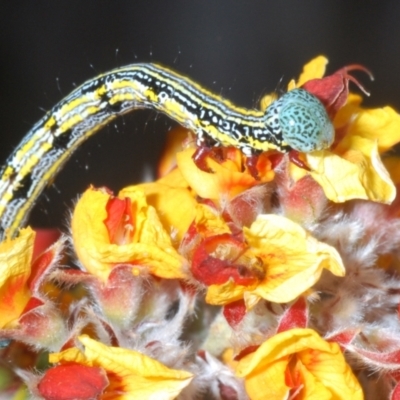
x,y
239,48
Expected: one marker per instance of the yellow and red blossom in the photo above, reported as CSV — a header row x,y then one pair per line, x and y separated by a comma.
x,y
21,277
116,373
298,364
276,261
15,265
143,242
26,313
225,179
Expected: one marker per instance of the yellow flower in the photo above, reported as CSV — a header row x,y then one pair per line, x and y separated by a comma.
x,y
298,364
108,231
129,374
15,270
278,262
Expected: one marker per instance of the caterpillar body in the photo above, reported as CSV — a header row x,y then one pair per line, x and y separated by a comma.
x,y
296,121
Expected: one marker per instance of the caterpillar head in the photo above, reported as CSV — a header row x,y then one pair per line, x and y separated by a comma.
x,y
300,120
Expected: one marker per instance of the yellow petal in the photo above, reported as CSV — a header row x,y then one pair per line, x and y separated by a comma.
x,y
175,206
15,269
357,174
208,222
267,100
225,182
151,247
312,389
329,367
267,383
347,113
226,293
173,144
314,69
380,124
174,179
321,359
132,375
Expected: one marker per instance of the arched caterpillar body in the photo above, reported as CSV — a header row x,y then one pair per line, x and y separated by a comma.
x,y
296,121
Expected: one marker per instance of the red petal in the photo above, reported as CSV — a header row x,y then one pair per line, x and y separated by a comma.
x,y
227,392
119,221
44,238
32,303
234,312
395,395
296,158
202,153
333,90
41,264
209,269
343,338
202,354
389,358
293,379
251,164
296,316
73,382
246,351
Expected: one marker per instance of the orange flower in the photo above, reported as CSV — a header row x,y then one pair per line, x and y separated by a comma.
x,y
104,372
15,270
225,180
278,262
109,231
298,364
26,313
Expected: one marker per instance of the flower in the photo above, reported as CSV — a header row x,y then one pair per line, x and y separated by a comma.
x,y
225,178
109,230
104,372
298,363
26,313
278,261
15,266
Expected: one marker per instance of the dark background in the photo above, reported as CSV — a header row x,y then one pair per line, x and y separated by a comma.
x,y
239,48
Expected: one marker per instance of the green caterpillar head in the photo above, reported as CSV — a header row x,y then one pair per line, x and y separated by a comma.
x,y
301,121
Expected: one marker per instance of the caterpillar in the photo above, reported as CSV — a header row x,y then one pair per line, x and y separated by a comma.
x,y
296,121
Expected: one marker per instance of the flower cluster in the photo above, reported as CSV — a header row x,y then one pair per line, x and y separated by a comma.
x,y
229,277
